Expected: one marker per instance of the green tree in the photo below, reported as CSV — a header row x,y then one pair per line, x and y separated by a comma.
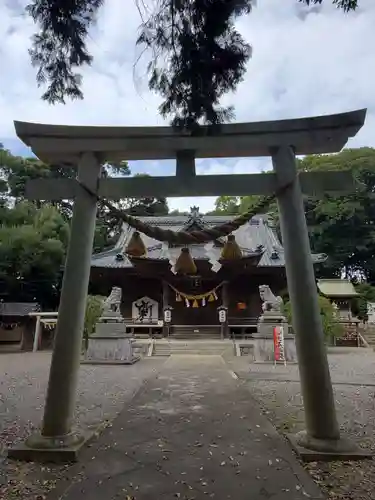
x,y
366,294
330,326
343,226
187,40
32,253
34,235
176,212
16,171
226,205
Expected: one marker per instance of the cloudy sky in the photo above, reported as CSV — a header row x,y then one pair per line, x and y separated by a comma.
x,y
306,61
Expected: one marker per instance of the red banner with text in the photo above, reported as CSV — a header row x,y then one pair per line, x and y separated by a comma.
x,y
278,342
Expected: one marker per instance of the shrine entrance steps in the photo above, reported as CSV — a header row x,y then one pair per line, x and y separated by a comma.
x,y
171,347
188,332
369,336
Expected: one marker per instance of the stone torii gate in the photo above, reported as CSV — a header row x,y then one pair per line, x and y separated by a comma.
x,y
90,147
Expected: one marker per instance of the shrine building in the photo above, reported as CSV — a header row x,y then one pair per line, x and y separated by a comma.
x,y
149,284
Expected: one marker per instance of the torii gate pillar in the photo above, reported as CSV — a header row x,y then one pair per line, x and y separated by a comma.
x,y
322,430
58,441
321,440
63,378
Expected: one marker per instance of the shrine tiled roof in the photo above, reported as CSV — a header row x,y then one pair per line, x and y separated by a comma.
x,y
336,288
17,308
255,237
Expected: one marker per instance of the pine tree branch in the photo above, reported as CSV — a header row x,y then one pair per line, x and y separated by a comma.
x,y
58,49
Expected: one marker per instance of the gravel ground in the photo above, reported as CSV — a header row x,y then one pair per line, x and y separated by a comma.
x,y
102,393
278,391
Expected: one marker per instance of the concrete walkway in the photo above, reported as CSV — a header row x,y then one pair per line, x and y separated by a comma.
x,y
192,432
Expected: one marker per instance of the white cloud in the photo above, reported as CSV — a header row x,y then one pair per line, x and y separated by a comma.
x,y
305,62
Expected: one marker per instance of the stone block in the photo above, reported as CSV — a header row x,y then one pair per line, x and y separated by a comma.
x,y
264,349
266,329
110,329
246,350
269,320
110,350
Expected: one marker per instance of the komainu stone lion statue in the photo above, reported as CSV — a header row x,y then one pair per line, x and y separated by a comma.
x,y
271,303
113,301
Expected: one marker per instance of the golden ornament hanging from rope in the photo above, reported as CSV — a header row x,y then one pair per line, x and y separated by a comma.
x,y
231,250
185,263
136,247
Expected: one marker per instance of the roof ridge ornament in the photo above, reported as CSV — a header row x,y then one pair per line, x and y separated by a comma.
x,y
195,217
194,212
194,220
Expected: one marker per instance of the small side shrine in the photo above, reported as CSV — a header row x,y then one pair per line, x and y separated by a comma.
x,y
16,325
341,293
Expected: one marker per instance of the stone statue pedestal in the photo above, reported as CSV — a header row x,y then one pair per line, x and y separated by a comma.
x,y
268,321
110,344
264,350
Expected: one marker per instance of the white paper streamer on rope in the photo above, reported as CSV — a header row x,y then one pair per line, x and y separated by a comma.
x,y
167,254
211,254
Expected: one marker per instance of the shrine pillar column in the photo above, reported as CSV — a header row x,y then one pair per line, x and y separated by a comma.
x,y
63,377
225,303
322,430
37,333
166,326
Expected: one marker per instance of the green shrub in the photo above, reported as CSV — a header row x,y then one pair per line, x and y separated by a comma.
x,y
94,309
359,304
330,326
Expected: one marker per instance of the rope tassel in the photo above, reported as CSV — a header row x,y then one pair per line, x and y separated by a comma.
x,y
231,250
185,263
136,247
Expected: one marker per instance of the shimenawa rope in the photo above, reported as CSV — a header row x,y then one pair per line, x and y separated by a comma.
x,y
183,237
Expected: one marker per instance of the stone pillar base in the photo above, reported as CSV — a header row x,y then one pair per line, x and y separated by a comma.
x,y
326,450
42,449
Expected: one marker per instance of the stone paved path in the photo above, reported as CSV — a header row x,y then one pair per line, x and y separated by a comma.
x,y
192,432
